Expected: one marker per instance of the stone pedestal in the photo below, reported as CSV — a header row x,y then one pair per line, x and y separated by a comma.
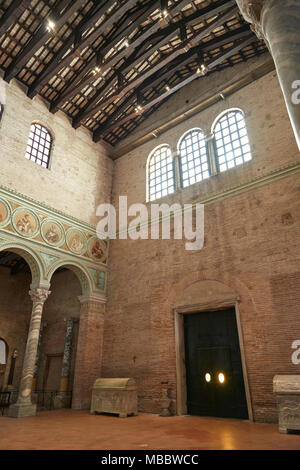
x,y
287,390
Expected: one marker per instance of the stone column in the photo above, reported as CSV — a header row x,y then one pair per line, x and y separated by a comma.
x,y
37,360
62,400
278,23
89,350
24,406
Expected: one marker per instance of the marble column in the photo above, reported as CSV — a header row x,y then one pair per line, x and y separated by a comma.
x,y
89,350
62,400
278,23
37,360
24,406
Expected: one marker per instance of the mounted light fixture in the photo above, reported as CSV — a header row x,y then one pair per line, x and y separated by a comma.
x,y
221,378
50,26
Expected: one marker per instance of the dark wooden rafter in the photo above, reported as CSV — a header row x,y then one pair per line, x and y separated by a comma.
x,y
59,15
94,107
99,133
11,15
170,69
153,42
145,36
79,42
86,76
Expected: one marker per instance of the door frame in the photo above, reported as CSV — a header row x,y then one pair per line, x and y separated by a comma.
x,y
179,313
47,367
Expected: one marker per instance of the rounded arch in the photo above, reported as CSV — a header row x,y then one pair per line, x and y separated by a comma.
x,y
194,161
39,144
231,141
185,134
31,258
223,113
80,271
206,292
156,152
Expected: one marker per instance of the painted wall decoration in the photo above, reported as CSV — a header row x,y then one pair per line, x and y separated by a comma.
x,y
52,239
25,222
76,241
51,228
97,249
52,232
4,213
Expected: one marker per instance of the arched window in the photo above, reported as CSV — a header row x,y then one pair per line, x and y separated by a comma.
x,y
231,140
193,157
39,145
161,180
3,352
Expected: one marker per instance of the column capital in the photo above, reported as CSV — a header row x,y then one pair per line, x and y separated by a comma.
x,y
39,295
251,11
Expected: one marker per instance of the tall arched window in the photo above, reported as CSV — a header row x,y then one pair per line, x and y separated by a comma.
x,y
193,157
231,140
39,145
3,352
161,179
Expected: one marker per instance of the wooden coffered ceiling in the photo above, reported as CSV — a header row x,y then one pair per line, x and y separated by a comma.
x,y
110,64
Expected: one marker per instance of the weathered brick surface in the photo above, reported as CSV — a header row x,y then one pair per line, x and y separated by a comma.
x,y
251,245
80,173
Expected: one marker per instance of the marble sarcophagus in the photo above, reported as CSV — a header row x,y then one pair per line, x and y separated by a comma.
x,y
287,390
117,396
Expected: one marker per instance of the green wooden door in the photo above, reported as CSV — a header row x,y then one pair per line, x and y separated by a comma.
x,y
215,384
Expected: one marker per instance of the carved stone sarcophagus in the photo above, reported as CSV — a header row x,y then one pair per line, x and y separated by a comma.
x,y
118,396
287,390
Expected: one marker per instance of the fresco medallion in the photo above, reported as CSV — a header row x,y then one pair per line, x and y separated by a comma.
x,y
97,249
4,213
25,222
76,241
52,232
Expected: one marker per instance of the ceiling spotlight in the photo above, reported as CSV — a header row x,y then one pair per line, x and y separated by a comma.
x,y
222,96
126,43
202,70
168,88
164,13
50,26
138,109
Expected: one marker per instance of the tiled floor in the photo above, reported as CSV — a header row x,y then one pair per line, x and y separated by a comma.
x,y
66,429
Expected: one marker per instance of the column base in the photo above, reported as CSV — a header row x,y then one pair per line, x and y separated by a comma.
x,y
62,400
21,410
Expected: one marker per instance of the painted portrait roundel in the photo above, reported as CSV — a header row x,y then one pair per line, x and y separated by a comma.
x,y
52,232
97,249
76,242
4,213
26,223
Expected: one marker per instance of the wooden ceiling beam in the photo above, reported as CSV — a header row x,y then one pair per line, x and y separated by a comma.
x,y
168,71
78,85
184,47
12,14
102,130
85,78
163,36
58,16
74,44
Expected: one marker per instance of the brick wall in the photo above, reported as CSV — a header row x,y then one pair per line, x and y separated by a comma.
x,y
15,311
80,171
251,245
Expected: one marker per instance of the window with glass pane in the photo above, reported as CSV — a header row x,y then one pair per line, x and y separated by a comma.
x,y
161,173
39,145
194,161
231,141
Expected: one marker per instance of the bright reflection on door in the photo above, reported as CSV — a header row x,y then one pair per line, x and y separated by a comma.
x,y
221,378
